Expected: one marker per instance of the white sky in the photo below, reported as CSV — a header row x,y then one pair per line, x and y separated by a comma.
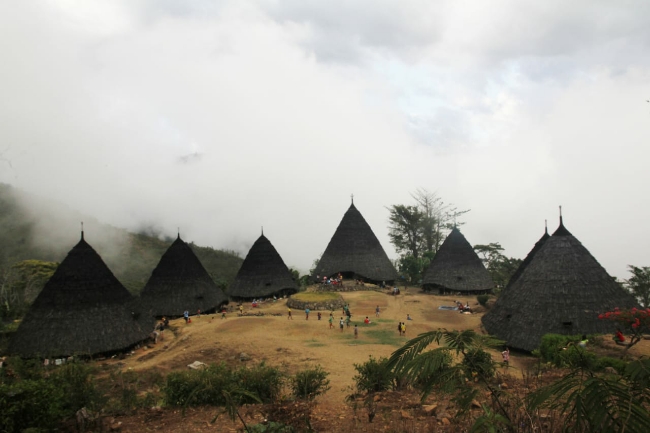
x,y
221,117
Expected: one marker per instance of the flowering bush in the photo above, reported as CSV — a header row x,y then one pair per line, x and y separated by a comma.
x,y
635,322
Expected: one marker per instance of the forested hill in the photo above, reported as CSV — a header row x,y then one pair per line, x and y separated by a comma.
x,y
32,228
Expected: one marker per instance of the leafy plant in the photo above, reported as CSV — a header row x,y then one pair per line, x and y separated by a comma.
x,y
635,322
373,376
483,299
310,383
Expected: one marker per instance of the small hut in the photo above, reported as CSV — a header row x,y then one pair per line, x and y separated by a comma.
x,y
263,274
180,283
561,291
456,268
82,310
355,252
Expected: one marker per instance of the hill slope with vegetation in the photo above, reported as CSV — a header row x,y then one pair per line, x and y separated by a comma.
x,y
36,234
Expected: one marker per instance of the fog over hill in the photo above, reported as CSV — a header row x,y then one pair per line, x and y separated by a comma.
x,y
35,228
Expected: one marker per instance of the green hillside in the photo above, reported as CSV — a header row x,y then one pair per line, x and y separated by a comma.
x,y
36,234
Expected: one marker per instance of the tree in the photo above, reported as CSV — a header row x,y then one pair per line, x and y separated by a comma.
x,y
405,230
639,284
417,231
634,322
500,267
438,218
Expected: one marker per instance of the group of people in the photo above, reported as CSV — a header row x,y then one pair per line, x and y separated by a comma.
x,y
463,308
337,280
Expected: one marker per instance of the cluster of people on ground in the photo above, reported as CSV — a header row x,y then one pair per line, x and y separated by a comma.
x,y
463,308
330,281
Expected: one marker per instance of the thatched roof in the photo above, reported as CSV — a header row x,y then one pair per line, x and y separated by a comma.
x,y
561,291
355,250
179,283
457,268
263,274
82,310
528,259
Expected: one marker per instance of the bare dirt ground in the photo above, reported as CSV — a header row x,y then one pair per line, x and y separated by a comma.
x,y
298,343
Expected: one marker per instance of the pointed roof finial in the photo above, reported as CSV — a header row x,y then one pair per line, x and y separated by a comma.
x,y
178,232
82,230
561,223
352,198
262,230
546,226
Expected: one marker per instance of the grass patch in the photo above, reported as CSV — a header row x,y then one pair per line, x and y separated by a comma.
x,y
374,336
314,343
316,296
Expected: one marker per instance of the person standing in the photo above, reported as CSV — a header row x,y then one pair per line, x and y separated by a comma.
x,y
399,328
377,311
241,309
404,329
331,321
341,324
289,314
186,316
319,315
506,356
306,313
356,332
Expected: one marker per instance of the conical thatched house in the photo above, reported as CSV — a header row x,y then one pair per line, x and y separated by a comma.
x,y
561,291
529,258
457,268
263,274
355,252
82,310
180,283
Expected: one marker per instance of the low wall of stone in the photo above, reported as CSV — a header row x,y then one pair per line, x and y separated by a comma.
x,y
331,305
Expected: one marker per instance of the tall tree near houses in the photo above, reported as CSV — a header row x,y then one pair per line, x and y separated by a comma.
x,y
417,231
405,230
639,284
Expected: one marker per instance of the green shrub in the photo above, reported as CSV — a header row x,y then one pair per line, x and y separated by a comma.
x,y
373,375
550,349
43,402
617,364
310,383
262,380
478,361
206,386
482,299
198,387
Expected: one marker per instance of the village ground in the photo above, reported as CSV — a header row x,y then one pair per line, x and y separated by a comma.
x,y
299,343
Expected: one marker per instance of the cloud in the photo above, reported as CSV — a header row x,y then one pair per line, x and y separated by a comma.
x,y
219,118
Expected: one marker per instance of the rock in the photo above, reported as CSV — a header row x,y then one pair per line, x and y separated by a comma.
x,y
244,357
445,421
84,417
504,385
405,414
430,409
476,404
377,397
197,365
116,426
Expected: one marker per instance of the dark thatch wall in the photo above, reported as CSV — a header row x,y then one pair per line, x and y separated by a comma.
x,y
354,249
457,268
82,310
263,274
179,283
527,260
561,291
